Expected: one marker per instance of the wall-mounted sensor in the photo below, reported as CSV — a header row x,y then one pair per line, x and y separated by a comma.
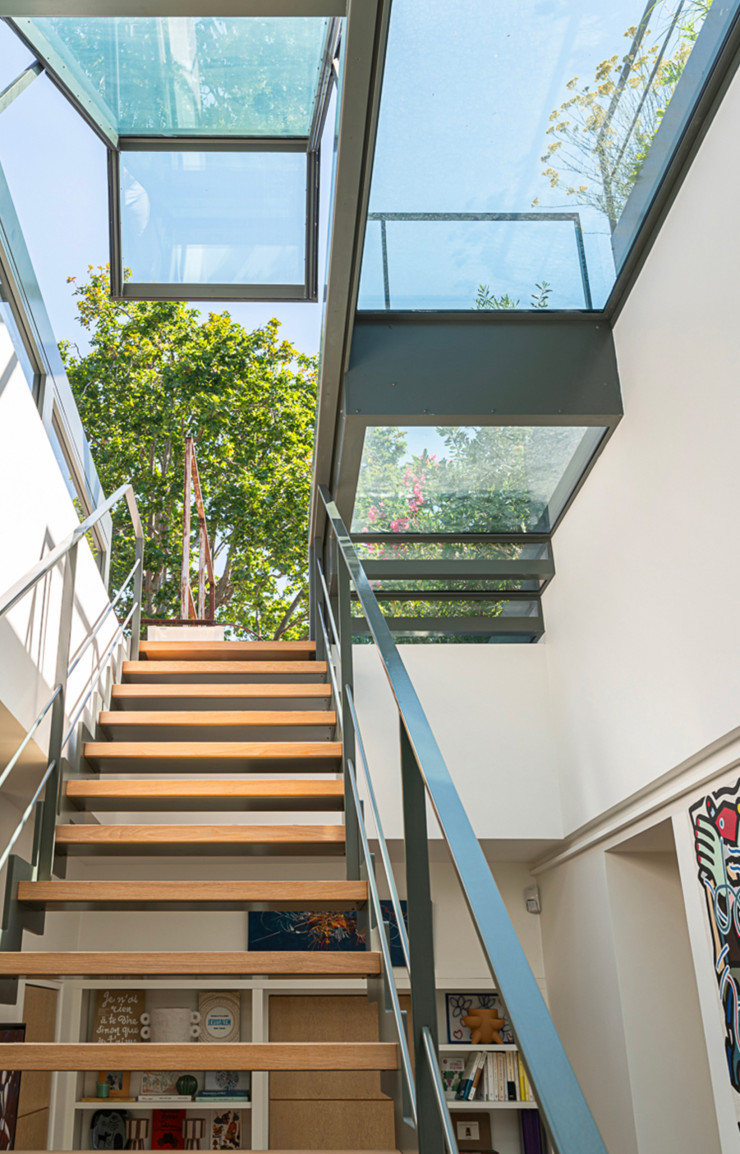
x,y
532,900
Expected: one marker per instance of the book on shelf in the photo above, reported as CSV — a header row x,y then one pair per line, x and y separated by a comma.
x,y
167,1130
531,1132
156,1098
452,1071
470,1079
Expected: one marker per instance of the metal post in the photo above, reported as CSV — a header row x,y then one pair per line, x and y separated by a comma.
x,y
201,568
185,596
421,946
138,594
346,678
56,732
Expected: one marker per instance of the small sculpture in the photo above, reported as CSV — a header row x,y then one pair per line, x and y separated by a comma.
x,y
484,1024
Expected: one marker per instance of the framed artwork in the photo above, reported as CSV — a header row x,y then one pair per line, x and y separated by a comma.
x,y
460,1005
118,1015
119,1082
226,1082
298,930
159,1081
10,1088
226,1130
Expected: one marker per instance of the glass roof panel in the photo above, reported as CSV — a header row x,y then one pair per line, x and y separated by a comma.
x,y
184,75
510,138
227,218
492,479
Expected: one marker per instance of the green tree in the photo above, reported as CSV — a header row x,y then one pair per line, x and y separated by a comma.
x,y
601,135
157,372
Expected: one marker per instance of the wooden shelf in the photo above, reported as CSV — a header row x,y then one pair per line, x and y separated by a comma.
x,y
122,1104
466,1047
476,1105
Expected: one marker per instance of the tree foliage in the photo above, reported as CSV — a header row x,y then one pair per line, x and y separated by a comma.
x,y
600,135
157,372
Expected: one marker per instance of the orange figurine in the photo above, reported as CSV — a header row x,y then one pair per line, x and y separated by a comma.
x,y
484,1025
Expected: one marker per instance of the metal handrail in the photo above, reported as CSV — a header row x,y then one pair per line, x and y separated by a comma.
x,y
51,782
16,592
384,947
16,756
439,1091
382,844
327,599
567,1116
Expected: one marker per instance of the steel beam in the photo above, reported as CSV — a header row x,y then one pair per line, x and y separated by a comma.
x,y
452,570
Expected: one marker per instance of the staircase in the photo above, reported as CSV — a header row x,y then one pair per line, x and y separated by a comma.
x,y
198,726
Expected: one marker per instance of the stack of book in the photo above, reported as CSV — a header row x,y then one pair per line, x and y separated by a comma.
x,y
218,1098
167,1099
494,1077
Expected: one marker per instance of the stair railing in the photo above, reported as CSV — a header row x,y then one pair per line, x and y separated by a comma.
x,y
46,800
425,776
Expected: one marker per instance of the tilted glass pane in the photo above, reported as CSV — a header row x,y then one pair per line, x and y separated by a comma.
x,y
533,110
230,218
492,479
190,75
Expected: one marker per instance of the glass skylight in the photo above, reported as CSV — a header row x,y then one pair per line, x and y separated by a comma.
x,y
183,75
500,479
511,137
213,218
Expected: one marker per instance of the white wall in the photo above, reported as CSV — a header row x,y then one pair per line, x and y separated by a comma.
x,y
488,706
643,629
36,513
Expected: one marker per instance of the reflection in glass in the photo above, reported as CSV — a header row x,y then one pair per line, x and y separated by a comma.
x,y
559,106
230,218
496,479
8,320
188,75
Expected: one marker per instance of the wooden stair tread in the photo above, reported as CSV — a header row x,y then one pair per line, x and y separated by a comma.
x,y
210,750
228,788
232,717
227,650
104,962
147,668
187,1057
341,895
194,690
120,835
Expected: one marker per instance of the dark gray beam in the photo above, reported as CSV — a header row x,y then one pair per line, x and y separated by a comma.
x,y
131,8
363,54
559,370
509,626
452,570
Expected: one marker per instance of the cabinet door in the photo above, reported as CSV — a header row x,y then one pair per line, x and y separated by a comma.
x,y
333,1110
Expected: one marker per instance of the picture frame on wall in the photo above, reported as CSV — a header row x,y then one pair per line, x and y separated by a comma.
x,y
460,1006
10,1088
119,1082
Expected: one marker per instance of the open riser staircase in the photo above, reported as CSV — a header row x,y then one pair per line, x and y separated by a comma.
x,y
246,729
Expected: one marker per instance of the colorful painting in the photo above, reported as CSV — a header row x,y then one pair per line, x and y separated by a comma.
x,y
297,930
226,1130
459,1006
10,1088
715,819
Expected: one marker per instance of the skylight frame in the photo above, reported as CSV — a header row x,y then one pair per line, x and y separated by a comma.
x,y
122,289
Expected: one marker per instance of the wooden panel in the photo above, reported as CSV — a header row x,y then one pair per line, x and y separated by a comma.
x,y
330,1125
186,1057
304,1018
32,1131
197,835
231,717
39,1015
281,668
227,650
277,894
212,750
227,788
263,689
104,962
